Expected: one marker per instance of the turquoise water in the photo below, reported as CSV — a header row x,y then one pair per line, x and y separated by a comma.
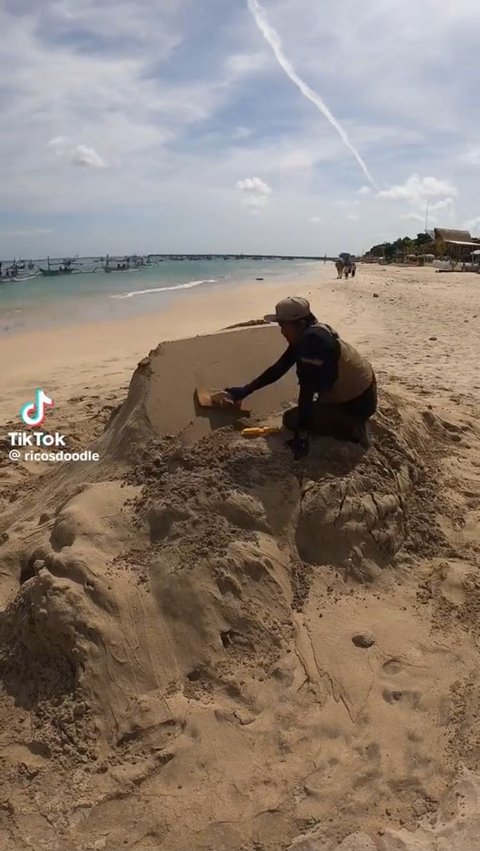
x,y
48,302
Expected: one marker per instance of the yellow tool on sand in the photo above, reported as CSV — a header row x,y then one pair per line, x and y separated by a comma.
x,y
260,431
221,399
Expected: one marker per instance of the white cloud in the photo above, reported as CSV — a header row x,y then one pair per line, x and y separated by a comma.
x,y
79,155
420,193
316,220
418,188
58,143
365,190
472,157
254,184
350,203
412,217
297,159
438,213
473,225
87,157
446,204
246,63
353,217
256,193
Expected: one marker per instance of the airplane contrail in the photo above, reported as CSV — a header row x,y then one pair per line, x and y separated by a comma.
x,y
271,36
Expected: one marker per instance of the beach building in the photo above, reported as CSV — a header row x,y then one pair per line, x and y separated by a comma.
x,y
456,244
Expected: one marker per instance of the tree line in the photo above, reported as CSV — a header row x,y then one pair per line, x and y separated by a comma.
x,y
403,246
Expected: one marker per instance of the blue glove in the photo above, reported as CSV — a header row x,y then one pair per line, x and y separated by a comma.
x,y
237,393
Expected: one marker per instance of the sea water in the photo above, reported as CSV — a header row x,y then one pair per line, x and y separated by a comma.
x,y
42,302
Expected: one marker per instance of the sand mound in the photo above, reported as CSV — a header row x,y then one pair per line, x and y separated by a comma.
x,y
225,648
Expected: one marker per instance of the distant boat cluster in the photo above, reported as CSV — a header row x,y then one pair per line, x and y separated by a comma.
x,y
17,270
22,270
125,264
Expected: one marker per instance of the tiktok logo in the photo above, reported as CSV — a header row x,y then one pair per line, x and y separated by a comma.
x,y
33,413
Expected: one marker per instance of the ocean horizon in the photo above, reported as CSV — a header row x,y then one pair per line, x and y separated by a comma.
x,y
39,302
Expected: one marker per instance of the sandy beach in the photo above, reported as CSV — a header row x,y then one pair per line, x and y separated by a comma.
x,y
412,306
207,645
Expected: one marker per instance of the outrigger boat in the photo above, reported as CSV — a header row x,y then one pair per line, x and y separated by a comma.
x,y
55,273
127,264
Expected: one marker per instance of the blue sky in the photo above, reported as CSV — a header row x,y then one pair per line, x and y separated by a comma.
x,y
169,125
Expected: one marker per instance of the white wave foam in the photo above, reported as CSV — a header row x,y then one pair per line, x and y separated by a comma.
x,y
186,286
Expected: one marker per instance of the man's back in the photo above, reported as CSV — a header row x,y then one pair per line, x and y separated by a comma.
x,y
334,369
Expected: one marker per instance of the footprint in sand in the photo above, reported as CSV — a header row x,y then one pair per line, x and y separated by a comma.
x,y
393,666
409,698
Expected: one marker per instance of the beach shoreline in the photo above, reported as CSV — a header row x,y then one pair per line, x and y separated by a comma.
x,y
65,301
101,355
387,313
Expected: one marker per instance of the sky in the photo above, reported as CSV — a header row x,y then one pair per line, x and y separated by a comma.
x,y
289,127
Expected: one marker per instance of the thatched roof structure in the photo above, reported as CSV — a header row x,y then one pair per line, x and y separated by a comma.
x,y
446,235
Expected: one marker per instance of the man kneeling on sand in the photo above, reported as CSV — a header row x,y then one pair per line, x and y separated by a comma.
x,y
338,391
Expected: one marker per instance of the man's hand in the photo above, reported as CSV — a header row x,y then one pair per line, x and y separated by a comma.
x,y
299,445
237,393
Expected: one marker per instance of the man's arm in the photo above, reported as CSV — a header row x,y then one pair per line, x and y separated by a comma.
x,y
305,407
273,373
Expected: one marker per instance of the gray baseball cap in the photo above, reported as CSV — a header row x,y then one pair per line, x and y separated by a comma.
x,y
290,310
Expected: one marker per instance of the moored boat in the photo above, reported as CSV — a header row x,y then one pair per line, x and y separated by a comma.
x,y
54,273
